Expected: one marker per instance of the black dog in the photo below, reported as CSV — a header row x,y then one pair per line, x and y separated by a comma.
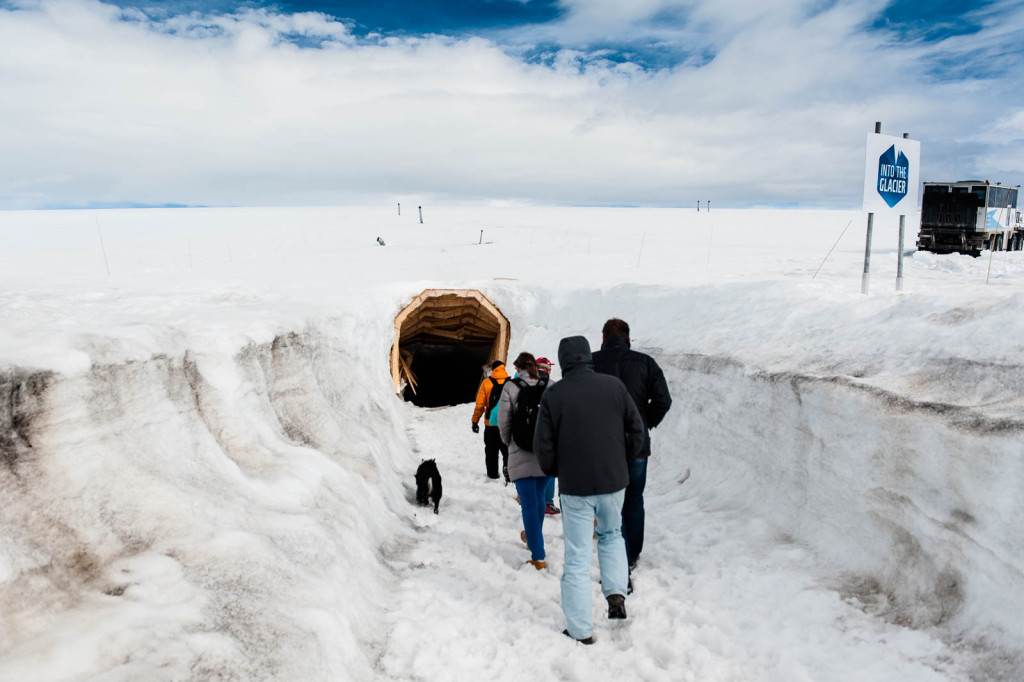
x,y
428,483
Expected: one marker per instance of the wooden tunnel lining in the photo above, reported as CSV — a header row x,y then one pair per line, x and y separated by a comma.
x,y
447,316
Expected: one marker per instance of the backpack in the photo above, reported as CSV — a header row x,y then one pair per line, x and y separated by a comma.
x,y
524,412
492,400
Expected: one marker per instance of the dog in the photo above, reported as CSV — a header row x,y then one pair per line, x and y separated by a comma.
x,y
428,484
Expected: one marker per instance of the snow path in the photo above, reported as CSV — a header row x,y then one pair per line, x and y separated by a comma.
x,y
719,597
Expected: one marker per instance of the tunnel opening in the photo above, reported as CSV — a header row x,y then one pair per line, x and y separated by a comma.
x,y
445,340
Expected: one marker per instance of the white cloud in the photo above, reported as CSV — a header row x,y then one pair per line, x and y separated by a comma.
x,y
104,106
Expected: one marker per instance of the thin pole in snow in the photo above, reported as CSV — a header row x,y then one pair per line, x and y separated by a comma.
x,y
399,208
899,256
698,205
865,279
481,237
642,240
991,252
421,215
831,250
102,247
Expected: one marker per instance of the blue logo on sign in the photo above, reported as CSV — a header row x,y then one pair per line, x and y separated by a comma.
x,y
893,174
993,222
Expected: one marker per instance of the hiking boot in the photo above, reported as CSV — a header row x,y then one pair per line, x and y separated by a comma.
x,y
629,585
616,607
551,510
586,640
522,536
539,564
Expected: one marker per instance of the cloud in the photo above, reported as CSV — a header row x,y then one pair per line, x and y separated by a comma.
x,y
259,107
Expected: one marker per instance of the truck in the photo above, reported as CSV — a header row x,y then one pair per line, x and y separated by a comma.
x,y
968,216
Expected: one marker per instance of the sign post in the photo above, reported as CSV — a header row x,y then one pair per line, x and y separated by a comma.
x,y
899,256
891,186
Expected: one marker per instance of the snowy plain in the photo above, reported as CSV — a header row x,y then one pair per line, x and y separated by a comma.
x,y
205,473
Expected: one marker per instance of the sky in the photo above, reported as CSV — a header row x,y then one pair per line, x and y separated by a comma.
x,y
565,102
206,474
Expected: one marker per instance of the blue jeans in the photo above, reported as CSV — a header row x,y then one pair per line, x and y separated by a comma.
x,y
531,504
549,492
633,509
578,513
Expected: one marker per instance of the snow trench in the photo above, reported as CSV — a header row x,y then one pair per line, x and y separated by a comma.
x,y
203,517
231,518
902,500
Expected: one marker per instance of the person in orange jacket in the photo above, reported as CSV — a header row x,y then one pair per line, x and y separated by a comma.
x,y
487,402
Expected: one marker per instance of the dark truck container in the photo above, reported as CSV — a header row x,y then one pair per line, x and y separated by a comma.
x,y
968,216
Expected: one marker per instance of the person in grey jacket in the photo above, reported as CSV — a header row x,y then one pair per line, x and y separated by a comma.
x,y
587,430
523,469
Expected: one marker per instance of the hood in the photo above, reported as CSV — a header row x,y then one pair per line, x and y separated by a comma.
x,y
573,351
618,343
499,372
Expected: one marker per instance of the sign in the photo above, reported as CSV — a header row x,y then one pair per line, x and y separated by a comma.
x,y
891,174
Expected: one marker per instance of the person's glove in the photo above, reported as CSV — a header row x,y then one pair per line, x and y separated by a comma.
x,y
476,428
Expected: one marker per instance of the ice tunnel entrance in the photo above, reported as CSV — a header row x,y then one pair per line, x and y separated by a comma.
x,y
443,340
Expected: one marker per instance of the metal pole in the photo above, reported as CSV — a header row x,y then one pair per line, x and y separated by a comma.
x,y
866,277
481,237
421,215
899,256
399,208
991,252
103,248
832,249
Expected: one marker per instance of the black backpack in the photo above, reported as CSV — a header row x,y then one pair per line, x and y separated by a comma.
x,y
524,412
493,398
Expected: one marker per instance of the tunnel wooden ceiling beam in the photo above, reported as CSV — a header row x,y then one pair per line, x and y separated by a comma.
x,y
452,316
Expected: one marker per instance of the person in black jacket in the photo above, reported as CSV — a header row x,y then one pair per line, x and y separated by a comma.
x,y
646,383
588,427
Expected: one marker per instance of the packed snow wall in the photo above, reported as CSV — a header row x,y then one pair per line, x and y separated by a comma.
x,y
230,514
906,502
198,516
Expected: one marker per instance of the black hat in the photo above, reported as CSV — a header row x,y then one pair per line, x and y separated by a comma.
x,y
496,364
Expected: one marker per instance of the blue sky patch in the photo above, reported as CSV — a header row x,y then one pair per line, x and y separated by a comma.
x,y
931,21
393,17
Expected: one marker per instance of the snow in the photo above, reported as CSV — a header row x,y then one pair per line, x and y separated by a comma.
x,y
205,474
